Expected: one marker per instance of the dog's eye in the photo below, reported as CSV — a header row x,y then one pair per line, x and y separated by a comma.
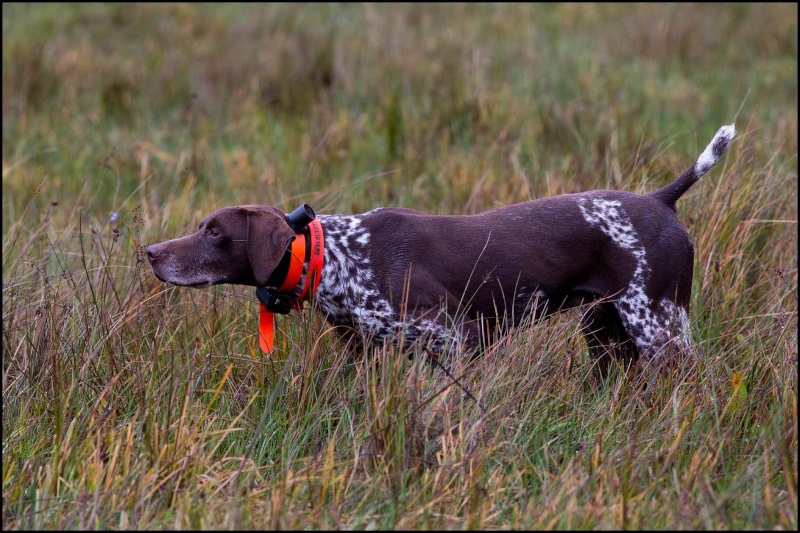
x,y
210,230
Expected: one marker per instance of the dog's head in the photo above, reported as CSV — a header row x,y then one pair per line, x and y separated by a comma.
x,y
241,245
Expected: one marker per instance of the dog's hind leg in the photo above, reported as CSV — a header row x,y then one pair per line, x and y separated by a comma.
x,y
606,337
660,330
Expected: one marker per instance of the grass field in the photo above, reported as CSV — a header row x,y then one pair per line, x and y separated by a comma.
x,y
130,404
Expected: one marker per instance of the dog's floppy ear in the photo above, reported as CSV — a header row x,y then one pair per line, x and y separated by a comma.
x,y
268,238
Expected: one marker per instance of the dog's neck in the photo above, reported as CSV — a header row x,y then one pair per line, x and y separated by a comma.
x,y
295,280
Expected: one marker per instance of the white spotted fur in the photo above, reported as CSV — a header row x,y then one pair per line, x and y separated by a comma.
x,y
348,293
650,326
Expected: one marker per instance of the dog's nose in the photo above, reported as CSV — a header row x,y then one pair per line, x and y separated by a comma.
x,y
153,252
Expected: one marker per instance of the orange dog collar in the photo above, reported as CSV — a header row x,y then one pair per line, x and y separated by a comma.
x,y
306,254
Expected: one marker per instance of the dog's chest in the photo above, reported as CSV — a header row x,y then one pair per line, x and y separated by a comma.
x,y
348,292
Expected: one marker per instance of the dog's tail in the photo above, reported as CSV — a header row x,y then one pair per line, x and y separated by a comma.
x,y
713,152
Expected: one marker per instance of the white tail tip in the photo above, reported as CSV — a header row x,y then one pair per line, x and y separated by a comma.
x,y
715,149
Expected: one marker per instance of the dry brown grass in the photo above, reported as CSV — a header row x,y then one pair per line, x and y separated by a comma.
x,y
129,404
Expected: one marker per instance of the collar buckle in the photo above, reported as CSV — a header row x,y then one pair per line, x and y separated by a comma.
x,y
274,303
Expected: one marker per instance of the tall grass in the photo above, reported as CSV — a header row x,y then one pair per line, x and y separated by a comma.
x,y
131,404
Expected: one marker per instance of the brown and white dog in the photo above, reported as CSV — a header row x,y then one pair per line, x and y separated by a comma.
x,y
395,273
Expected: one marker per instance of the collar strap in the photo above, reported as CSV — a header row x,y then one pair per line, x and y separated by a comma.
x,y
305,255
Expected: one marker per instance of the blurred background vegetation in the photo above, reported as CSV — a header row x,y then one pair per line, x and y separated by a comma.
x,y
128,404
447,108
